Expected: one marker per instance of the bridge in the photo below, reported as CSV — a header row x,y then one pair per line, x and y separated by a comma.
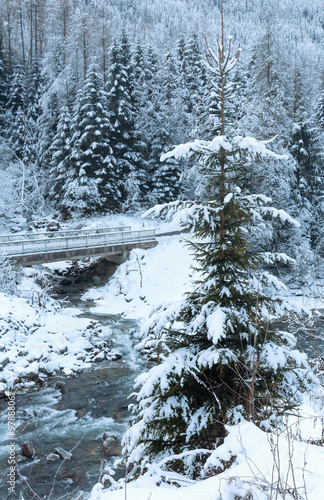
x,y
114,243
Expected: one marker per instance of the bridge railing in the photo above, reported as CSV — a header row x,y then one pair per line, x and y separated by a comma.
x,y
92,240
55,234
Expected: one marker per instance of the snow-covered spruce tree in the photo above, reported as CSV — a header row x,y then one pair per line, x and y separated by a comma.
x,y
316,176
4,72
220,357
267,112
91,180
131,178
47,127
165,176
60,152
167,121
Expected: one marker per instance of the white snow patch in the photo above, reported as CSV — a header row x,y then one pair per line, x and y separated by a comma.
x,y
166,271
215,325
254,469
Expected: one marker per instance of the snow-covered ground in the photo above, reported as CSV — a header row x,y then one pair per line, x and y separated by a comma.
x,y
265,466
148,279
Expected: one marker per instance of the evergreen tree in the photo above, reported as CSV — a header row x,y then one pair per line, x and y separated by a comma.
x,y
139,76
143,75
3,85
91,182
34,92
16,113
162,131
60,152
211,116
151,70
166,177
268,114
146,96
17,92
316,176
131,178
192,85
268,106
18,134
299,146
47,127
221,359
22,130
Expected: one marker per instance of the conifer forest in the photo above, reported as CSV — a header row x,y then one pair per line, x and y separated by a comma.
x,y
93,92
204,120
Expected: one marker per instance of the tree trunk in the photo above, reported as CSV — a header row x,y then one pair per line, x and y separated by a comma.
x,y
22,36
8,18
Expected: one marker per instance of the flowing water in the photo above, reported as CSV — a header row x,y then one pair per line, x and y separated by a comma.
x,y
76,416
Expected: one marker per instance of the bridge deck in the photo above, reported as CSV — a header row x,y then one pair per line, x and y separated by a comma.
x,y
54,234
68,245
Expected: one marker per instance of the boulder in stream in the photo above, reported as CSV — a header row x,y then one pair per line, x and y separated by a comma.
x,y
32,375
66,455
111,446
27,426
100,357
61,386
29,449
51,457
46,370
115,356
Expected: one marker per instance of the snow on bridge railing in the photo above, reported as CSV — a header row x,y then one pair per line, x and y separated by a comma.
x,y
57,243
54,234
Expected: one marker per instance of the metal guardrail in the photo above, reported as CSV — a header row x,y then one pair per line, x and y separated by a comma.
x,y
55,234
57,243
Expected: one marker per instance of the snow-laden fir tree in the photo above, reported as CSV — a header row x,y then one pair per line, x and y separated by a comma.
x,y
220,357
165,112
299,146
60,152
146,99
316,175
155,89
47,127
267,112
131,178
91,182
4,72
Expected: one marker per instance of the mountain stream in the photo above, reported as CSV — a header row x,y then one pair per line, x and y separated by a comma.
x,y
73,413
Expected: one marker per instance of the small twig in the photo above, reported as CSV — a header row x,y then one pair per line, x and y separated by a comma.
x,y
28,485
61,465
